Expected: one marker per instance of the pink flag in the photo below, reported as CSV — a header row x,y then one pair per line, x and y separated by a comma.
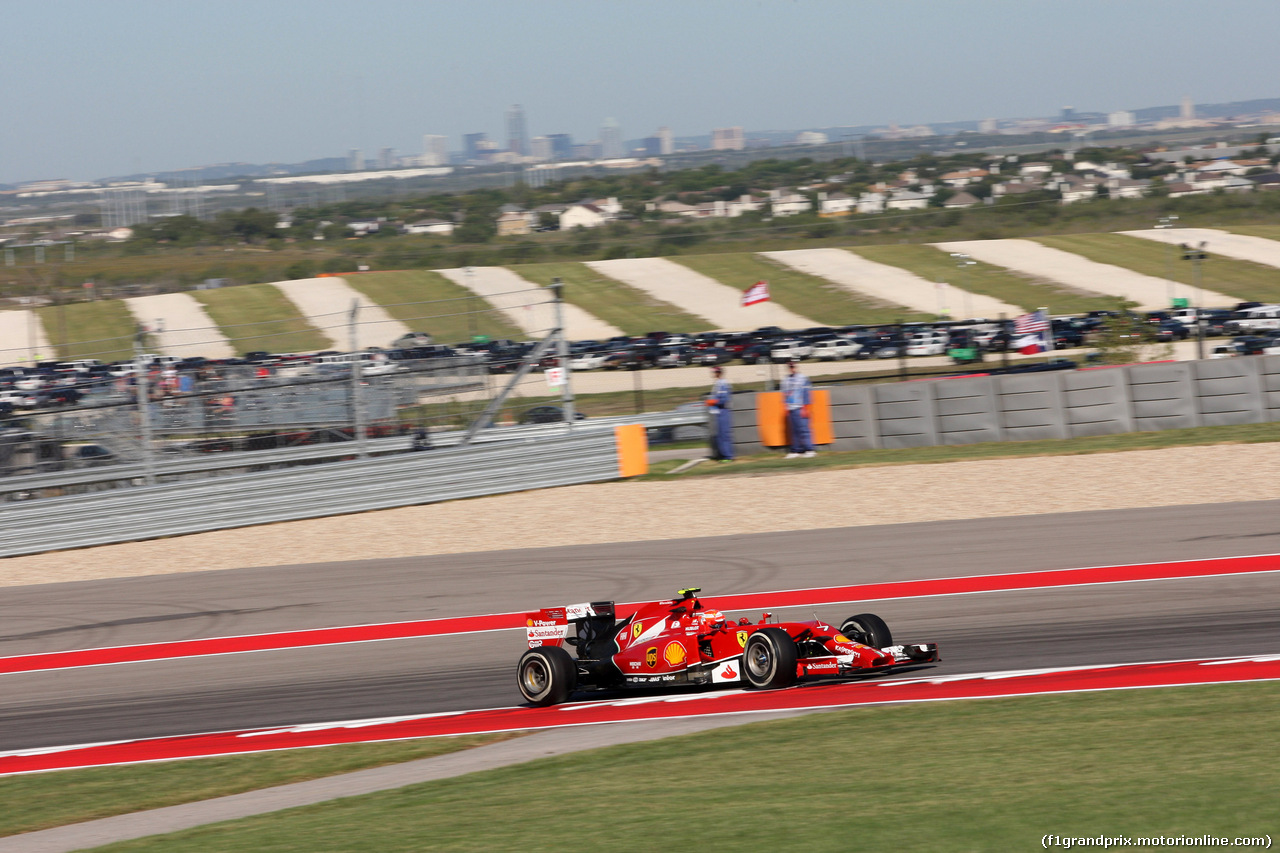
x,y
756,293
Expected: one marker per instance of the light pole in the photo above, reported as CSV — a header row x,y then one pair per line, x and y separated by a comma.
x,y
1165,223
963,261
1196,255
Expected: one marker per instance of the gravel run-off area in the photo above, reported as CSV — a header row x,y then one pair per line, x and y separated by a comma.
x,y
326,303
180,325
700,295
1259,250
22,338
527,304
1076,272
890,284
796,500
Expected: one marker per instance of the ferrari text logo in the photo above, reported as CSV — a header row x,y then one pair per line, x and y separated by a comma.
x,y
651,656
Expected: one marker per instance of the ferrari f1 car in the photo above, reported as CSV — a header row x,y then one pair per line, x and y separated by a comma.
x,y
687,641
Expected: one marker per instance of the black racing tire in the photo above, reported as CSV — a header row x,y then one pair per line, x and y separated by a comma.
x,y
868,629
769,660
547,675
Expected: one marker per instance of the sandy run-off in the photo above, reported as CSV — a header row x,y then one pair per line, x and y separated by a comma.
x,y
699,507
697,294
326,303
22,339
890,284
1259,250
1074,271
528,305
178,322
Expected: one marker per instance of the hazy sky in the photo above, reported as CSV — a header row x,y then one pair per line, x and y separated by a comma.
x,y
94,88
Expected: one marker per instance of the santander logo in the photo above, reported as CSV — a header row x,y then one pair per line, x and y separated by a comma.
x,y
729,672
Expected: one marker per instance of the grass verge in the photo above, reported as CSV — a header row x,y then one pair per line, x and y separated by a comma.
x,y
833,459
981,775
260,317
934,264
807,295
628,308
1243,280
427,301
43,800
102,329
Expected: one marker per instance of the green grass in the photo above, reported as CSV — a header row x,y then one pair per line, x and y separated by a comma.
x,y
1243,280
260,317
934,264
102,329
979,775
427,301
1266,232
628,308
774,463
807,295
42,800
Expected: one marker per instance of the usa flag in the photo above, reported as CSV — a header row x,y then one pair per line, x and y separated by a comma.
x,y
756,293
1030,324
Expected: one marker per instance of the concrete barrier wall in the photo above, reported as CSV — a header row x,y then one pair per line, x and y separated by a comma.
x,y
1030,406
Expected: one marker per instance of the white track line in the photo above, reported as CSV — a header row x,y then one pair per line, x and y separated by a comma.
x,y
889,284
697,294
1076,272
326,303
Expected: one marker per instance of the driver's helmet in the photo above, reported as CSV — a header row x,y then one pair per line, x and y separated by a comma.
x,y
707,618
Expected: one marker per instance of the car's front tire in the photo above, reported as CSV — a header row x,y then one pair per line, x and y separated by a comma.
x,y
547,675
868,629
769,659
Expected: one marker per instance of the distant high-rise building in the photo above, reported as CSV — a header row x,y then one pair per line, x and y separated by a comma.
x,y
587,151
652,146
387,158
355,160
540,148
517,133
1120,118
471,145
727,139
611,140
561,146
666,144
435,150
987,125
1068,115
1188,112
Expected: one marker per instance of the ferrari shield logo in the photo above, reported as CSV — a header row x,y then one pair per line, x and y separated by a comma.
x,y
742,639
636,630
651,656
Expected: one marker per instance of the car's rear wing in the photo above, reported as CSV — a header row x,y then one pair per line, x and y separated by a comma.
x,y
550,625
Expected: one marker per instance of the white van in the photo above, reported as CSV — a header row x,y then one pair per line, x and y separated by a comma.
x,y
1260,319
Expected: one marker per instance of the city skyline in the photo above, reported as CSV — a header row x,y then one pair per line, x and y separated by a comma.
x,y
143,86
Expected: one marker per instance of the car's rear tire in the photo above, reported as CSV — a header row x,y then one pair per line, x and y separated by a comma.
x,y
769,659
547,675
868,629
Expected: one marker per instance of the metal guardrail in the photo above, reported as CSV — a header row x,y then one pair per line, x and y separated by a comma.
x,y
213,463
240,500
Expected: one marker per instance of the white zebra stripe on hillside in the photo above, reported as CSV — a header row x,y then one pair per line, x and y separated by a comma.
x,y
528,305
179,325
22,339
1259,250
1027,256
891,284
695,293
326,303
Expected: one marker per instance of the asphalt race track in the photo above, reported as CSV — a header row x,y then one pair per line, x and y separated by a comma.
x,y
1117,623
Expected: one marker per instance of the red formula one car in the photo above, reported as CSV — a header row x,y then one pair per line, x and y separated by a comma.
x,y
687,641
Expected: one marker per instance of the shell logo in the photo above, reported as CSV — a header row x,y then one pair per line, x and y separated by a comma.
x,y
528,623
673,654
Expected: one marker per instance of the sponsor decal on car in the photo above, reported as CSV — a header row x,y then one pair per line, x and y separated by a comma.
x,y
673,654
820,666
579,611
651,656
841,638
742,639
636,629
730,670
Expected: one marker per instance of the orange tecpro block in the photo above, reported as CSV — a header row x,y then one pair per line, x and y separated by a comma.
x,y
633,450
771,418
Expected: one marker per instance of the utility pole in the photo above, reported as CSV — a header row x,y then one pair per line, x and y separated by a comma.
x,y
1164,224
357,398
1196,255
562,351
144,404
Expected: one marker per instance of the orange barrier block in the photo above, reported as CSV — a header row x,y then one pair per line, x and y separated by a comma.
x,y
633,450
820,417
771,419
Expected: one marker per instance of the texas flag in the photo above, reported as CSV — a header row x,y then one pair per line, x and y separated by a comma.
x,y
756,293
1029,344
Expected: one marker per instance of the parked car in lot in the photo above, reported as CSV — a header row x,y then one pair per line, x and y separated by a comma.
x,y
757,353
546,415
712,356
834,349
1172,330
588,360
680,355
790,349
